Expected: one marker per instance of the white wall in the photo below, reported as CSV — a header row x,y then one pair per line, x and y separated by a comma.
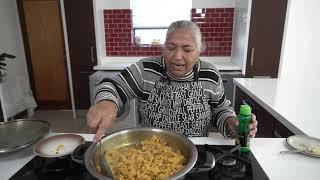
x,y
98,7
240,38
16,88
213,3
112,4
300,62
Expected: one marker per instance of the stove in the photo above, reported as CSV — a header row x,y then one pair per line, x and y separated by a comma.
x,y
235,166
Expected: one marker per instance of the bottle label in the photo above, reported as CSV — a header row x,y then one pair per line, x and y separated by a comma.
x,y
244,139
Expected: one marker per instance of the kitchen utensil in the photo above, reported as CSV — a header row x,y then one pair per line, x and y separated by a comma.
x,y
306,144
291,151
227,153
20,133
134,136
212,160
58,145
104,163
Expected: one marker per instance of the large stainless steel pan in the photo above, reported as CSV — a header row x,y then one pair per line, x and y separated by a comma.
x,y
135,136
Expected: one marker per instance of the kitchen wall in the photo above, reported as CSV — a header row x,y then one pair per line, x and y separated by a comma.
x,y
16,92
242,13
300,48
119,35
213,3
216,25
221,54
299,70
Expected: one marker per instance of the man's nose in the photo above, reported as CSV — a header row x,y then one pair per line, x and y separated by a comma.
x,y
178,54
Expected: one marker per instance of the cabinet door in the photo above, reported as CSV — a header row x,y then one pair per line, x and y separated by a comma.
x,y
265,37
81,86
81,38
280,131
265,120
227,78
41,27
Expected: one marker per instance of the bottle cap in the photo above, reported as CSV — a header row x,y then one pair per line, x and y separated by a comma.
x,y
245,109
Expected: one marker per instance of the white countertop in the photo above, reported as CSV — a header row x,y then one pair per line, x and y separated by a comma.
x,y
119,63
265,150
294,104
279,166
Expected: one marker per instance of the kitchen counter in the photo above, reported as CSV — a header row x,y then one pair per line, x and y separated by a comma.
x,y
119,63
266,151
292,103
283,166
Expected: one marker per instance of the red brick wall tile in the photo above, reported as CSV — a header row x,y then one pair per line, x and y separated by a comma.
x,y
216,25
118,35
216,29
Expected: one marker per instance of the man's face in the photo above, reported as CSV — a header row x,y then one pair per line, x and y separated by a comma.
x,y
180,52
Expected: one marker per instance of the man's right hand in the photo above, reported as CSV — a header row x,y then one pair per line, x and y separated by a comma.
x,y
100,117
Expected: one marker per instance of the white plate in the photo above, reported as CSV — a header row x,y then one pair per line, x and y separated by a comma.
x,y
58,145
304,143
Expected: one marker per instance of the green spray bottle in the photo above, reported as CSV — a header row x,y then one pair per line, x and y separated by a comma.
x,y
244,118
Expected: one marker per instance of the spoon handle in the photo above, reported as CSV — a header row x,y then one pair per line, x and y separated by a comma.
x,y
291,151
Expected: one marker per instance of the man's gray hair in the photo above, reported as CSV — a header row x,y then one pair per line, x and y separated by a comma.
x,y
187,25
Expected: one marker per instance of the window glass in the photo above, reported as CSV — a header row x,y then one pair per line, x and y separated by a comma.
x,y
152,17
149,35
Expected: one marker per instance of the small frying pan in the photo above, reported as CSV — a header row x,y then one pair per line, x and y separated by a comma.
x,y
58,145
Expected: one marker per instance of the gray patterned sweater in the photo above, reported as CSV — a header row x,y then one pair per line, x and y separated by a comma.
x,y
139,81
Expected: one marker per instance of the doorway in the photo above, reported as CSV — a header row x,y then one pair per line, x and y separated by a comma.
x,y
42,32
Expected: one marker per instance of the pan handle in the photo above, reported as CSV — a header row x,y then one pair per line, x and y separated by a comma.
x,y
204,166
78,154
211,160
228,152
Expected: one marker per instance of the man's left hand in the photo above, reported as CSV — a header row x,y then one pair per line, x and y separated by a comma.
x,y
233,123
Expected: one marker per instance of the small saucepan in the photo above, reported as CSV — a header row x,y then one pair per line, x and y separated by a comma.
x,y
58,145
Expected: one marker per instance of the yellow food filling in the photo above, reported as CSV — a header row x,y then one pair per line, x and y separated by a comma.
x,y
314,150
60,147
152,159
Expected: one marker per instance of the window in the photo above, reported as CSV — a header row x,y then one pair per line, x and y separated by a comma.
x,y
151,18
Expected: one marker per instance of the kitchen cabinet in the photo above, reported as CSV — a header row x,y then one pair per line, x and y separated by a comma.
x,y
265,37
268,126
227,78
82,47
280,131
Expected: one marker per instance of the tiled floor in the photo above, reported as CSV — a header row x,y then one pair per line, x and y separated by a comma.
x,y
63,121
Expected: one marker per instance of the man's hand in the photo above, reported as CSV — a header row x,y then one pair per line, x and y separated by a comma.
x,y
233,123
253,126
100,117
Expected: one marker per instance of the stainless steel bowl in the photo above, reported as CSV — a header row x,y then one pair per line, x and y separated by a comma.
x,y
135,136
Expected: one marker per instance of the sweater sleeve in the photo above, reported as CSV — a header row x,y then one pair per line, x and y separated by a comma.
x,y
221,109
122,87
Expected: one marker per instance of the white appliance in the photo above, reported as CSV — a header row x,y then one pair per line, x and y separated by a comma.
x,y
127,116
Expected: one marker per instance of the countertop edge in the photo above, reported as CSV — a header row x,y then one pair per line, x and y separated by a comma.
x,y
265,150
120,63
268,108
